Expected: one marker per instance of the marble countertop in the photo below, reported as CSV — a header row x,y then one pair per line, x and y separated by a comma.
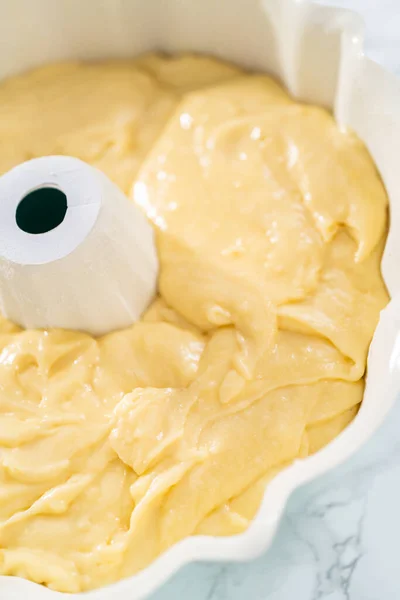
x,y
339,537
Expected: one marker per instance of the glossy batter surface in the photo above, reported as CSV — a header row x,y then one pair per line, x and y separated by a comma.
x,y
270,228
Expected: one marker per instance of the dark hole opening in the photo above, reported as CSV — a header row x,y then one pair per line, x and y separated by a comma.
x,y
41,210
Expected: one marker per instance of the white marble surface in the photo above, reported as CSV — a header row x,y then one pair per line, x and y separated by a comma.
x,y
339,538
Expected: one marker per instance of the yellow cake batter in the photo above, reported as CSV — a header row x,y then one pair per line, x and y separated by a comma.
x,y
270,227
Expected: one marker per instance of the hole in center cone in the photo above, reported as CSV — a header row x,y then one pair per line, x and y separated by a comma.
x,y
42,210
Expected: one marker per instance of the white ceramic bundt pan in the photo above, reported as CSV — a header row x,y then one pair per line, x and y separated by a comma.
x,y
317,53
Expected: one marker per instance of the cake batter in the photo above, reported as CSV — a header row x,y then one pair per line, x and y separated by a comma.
x,y
270,225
